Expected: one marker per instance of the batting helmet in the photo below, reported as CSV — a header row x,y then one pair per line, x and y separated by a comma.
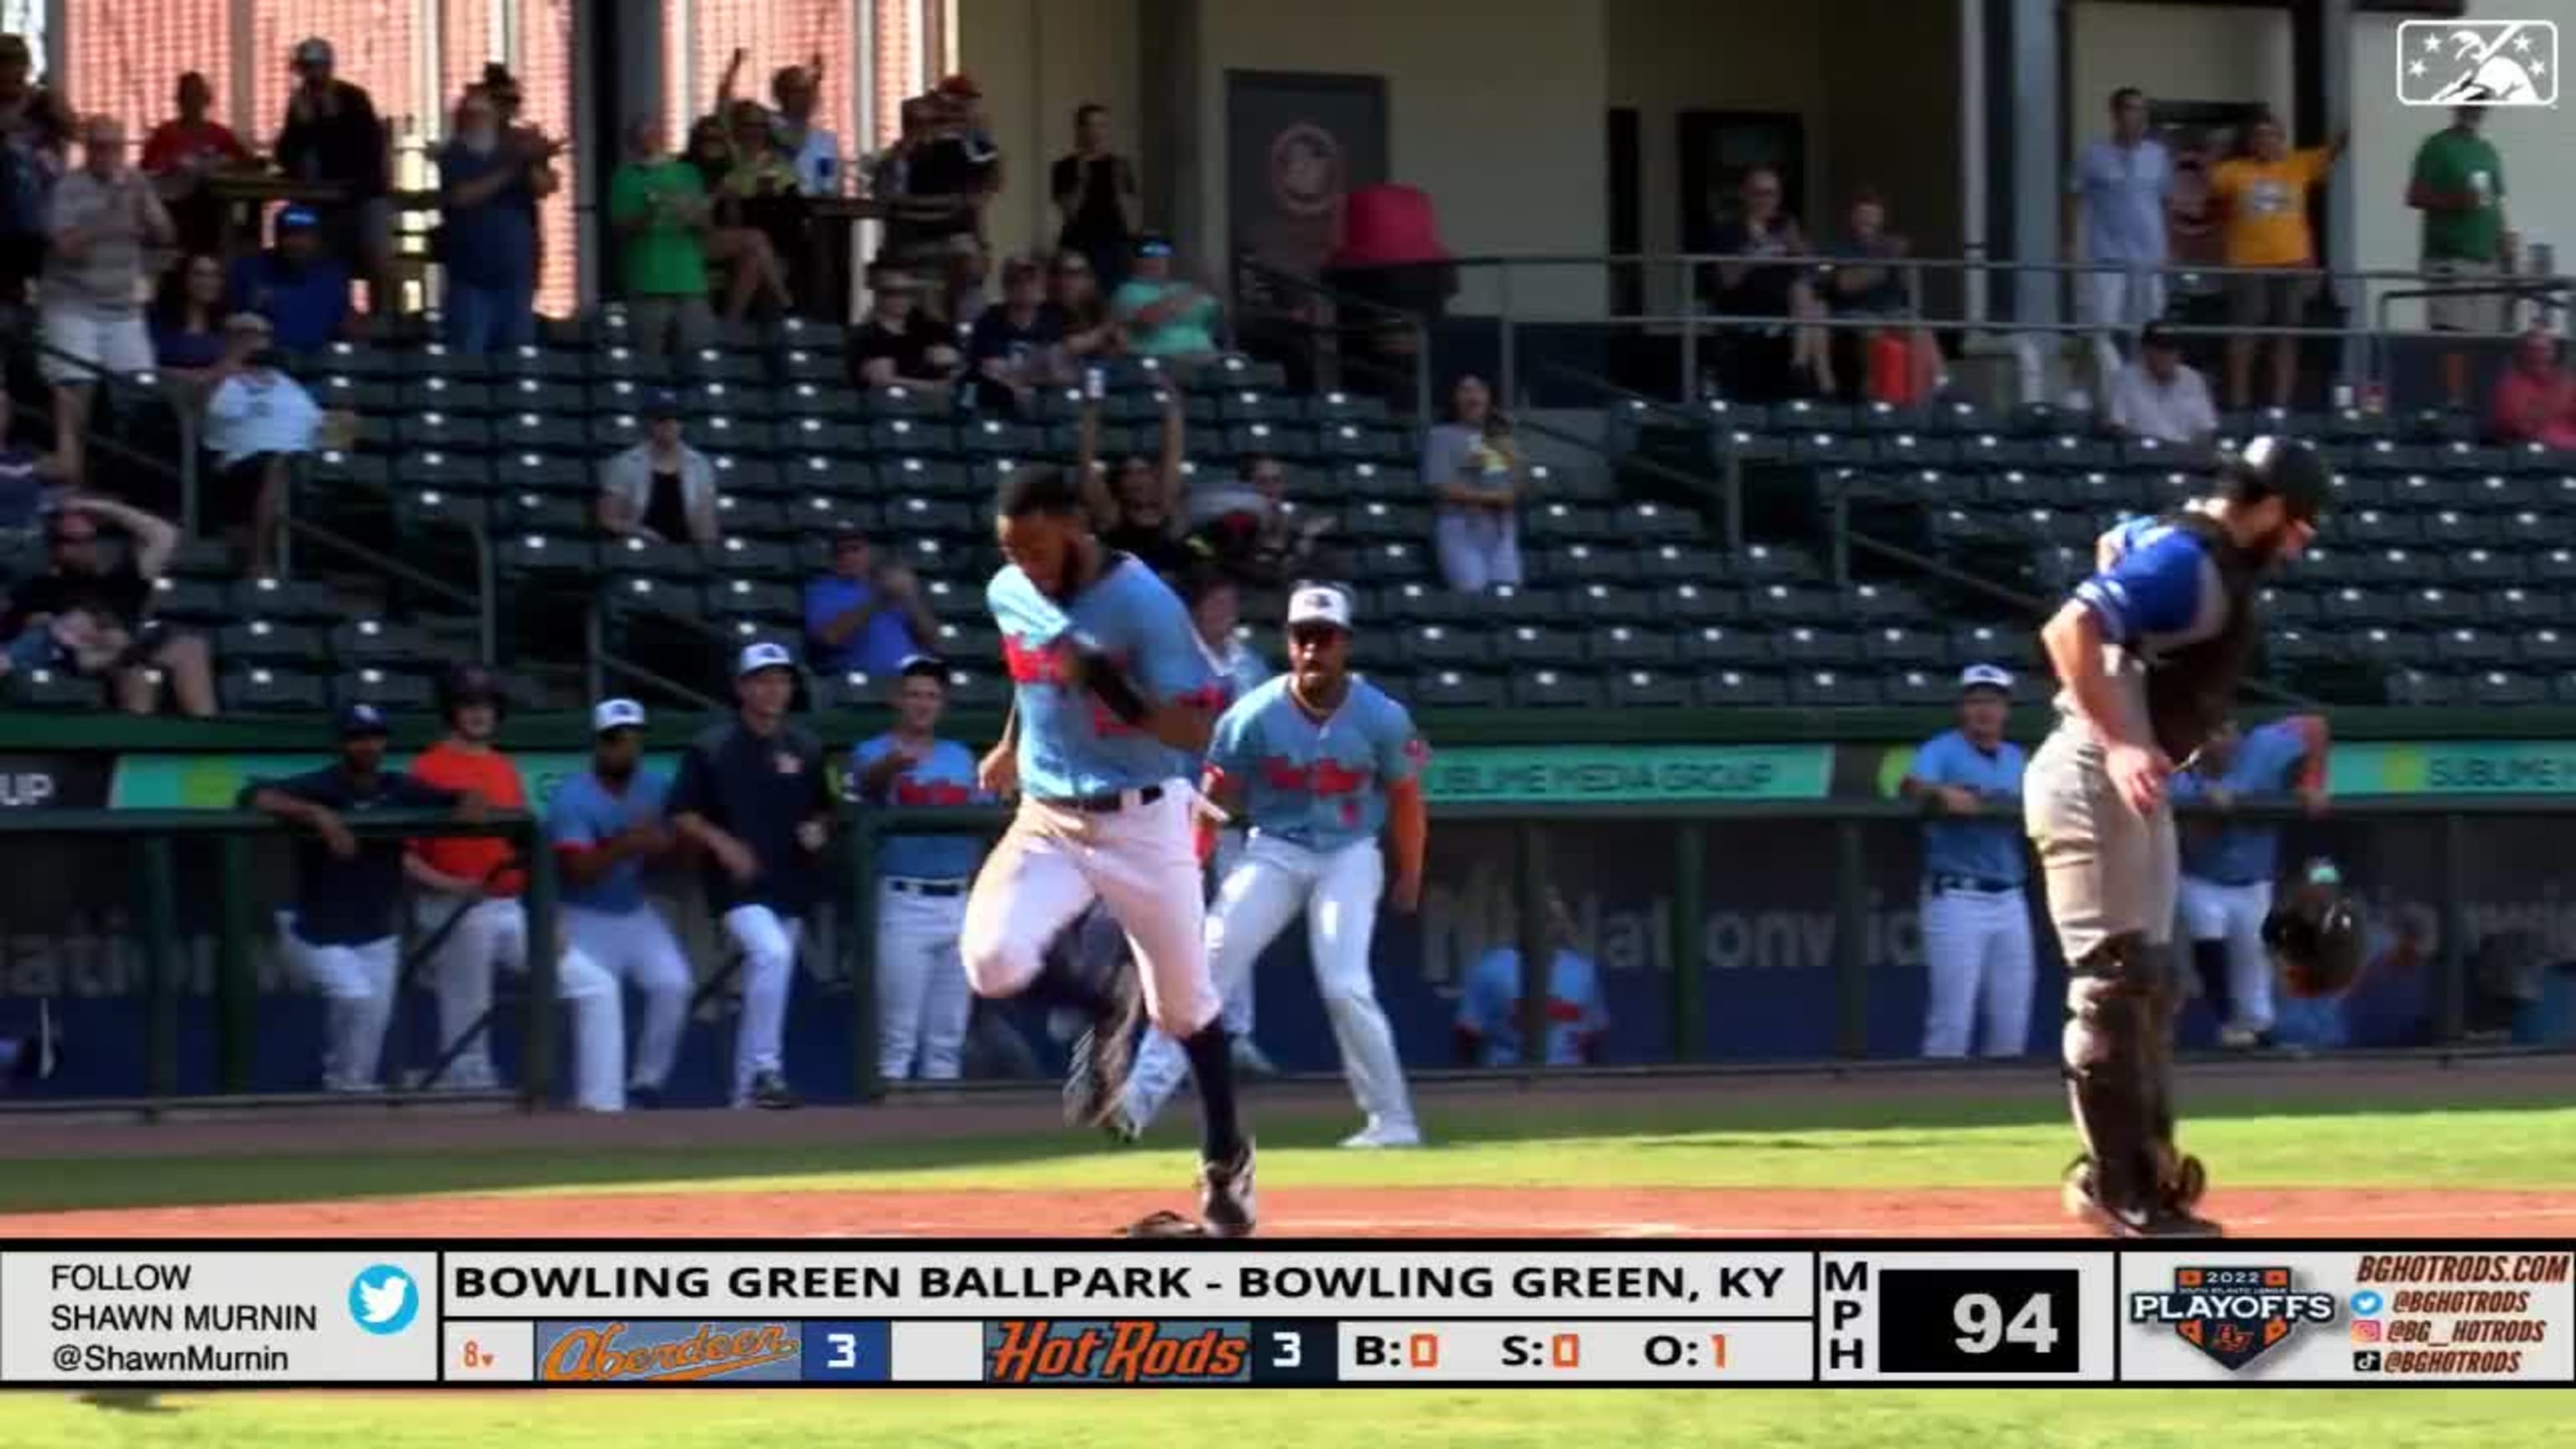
x,y
468,684
2283,468
2315,935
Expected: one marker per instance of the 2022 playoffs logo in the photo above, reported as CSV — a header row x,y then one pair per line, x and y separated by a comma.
x,y
2234,1315
2477,63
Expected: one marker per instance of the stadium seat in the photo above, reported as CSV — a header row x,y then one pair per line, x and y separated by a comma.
x,y
2511,608
268,641
1922,688
1669,563
442,470
1583,563
1715,644
2440,607
851,690
981,643
1555,689
1741,689
1896,645
297,600
1456,689
1803,647
1622,647
392,693
633,555
1441,647
737,515
2370,528
442,431
741,597
1648,689
2482,568
1536,646
2471,648
543,472
333,469
544,555
542,512
270,689
2385,644
2497,688
1375,521
376,644
2550,649
646,594
1831,689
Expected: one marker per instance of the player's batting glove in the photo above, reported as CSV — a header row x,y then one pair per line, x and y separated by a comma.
x,y
1095,671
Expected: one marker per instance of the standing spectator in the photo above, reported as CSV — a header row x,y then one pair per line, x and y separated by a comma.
x,y
302,292
864,617
658,205
751,264
1475,473
661,489
923,1004
814,151
896,346
753,795
339,934
1764,283
606,827
1488,1028
1096,198
2535,398
1016,348
1161,316
2158,395
2458,183
181,154
2263,203
35,149
1871,279
332,136
1976,907
942,180
2228,865
257,420
1078,313
488,180
94,614
1140,512
187,322
104,216
2115,213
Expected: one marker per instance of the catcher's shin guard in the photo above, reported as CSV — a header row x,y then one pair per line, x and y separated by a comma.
x,y
2111,1074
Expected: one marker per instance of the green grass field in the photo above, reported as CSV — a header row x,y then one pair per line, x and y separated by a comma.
x,y
2498,1140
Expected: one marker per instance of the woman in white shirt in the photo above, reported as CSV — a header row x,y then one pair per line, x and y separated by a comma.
x,y
1475,472
256,419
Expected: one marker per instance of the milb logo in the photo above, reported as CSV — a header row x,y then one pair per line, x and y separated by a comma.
x,y
2234,1315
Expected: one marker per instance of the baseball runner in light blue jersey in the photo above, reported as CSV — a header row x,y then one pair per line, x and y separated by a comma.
x,y
1977,956
923,1005
2228,866
606,827
1318,761
1112,703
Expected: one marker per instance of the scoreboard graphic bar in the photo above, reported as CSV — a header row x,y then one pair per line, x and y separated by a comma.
x,y
1711,1314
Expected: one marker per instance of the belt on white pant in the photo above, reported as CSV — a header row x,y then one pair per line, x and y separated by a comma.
x,y
1108,802
937,890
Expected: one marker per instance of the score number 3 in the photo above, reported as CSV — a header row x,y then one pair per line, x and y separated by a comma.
x,y
1984,1327
844,1350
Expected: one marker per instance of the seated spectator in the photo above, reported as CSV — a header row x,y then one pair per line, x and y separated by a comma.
x,y
181,154
661,490
333,136
743,250
105,214
897,346
1077,311
187,321
2535,397
863,615
657,204
1475,473
1763,285
489,180
1251,535
1139,512
1163,317
256,421
87,616
2158,395
303,293
36,131
1015,348
1094,189
761,190
1870,279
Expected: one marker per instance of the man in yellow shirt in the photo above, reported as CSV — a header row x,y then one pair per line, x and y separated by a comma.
x,y
2263,197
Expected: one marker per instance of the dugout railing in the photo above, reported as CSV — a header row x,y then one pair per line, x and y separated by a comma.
x,y
168,863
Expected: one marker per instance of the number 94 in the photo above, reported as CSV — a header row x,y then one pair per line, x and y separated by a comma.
x,y
1984,1327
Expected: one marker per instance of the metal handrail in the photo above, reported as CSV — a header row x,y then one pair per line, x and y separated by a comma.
x,y
482,601
599,663
1930,263
1418,326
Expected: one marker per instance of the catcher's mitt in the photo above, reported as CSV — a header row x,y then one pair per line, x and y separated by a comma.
x,y
2315,935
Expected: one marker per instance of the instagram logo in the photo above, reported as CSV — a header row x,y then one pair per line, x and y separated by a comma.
x,y
2365,1330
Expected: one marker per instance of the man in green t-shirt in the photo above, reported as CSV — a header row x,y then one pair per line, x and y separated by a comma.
x,y
658,205
2458,183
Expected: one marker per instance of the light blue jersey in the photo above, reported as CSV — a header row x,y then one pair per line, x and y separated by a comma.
x,y
1988,847
1317,783
946,778
587,813
2236,852
1489,1008
1071,746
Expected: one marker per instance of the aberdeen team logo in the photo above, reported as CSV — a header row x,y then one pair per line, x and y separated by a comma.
x,y
2234,1315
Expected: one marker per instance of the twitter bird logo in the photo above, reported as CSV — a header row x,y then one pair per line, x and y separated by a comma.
x,y
384,1300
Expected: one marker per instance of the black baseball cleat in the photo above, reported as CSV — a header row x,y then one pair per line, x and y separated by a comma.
x,y
2162,1220
1164,1224
1226,1197
770,1093
1095,1076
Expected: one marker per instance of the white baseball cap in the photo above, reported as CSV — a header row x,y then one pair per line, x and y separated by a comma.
x,y
616,714
1985,676
757,657
1319,604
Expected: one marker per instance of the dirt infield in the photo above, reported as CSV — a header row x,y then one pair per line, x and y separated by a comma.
x,y
1288,1210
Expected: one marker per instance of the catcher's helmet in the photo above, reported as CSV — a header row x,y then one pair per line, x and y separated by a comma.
x,y
2283,468
468,684
2315,935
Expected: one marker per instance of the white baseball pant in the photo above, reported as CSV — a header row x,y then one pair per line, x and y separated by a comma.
x,y
499,932
2234,914
461,968
1238,995
768,944
1338,891
1138,860
357,986
1977,960
637,947
922,1000
2117,302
